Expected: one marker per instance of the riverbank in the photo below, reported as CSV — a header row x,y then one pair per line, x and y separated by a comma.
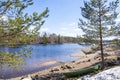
x,y
85,61
109,74
65,67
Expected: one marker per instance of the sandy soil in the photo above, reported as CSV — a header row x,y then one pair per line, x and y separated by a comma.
x,y
47,63
77,55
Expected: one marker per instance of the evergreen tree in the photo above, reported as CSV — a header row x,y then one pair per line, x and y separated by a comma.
x,y
15,28
45,40
99,20
59,39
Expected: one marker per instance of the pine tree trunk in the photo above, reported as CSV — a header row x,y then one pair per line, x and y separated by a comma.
x,y
101,40
101,47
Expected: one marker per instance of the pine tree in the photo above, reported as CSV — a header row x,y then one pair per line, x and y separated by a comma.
x,y
16,28
59,39
98,20
45,40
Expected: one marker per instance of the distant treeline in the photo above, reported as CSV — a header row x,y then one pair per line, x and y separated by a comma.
x,y
49,39
54,39
24,39
86,40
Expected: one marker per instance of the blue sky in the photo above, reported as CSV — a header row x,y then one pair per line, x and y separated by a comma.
x,y
63,16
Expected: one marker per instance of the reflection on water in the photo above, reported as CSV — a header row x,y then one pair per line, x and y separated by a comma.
x,y
41,53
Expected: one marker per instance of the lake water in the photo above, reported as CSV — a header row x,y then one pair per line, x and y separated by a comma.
x,y
43,53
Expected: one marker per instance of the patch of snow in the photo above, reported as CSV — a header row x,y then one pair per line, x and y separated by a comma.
x,y
110,74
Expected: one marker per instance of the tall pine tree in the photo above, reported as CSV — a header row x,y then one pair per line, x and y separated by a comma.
x,y
98,20
15,28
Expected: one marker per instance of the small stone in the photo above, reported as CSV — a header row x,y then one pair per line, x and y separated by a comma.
x,y
55,69
26,78
68,67
88,60
63,67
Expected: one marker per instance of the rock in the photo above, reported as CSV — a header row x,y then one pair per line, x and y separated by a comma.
x,y
89,50
36,77
63,67
118,58
88,60
96,57
54,69
26,78
66,67
99,59
78,62
73,61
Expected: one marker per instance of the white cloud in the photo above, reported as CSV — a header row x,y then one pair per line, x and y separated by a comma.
x,y
77,29
110,38
63,32
119,15
72,24
41,29
63,28
44,29
70,29
117,20
32,27
4,18
108,14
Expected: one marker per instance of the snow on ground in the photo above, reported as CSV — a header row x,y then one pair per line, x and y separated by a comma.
x,y
110,74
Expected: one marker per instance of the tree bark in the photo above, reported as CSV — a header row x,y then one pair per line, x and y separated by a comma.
x,y
101,40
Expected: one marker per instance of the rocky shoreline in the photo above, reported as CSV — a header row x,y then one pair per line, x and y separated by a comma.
x,y
87,60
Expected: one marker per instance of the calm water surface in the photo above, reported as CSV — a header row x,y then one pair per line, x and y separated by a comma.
x,y
43,53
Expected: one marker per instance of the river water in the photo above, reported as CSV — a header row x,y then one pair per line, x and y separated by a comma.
x,y
42,53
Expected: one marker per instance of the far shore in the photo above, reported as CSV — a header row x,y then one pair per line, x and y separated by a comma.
x,y
86,60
